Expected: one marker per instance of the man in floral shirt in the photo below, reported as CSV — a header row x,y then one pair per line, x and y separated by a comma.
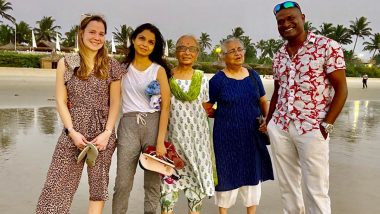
x,y
310,90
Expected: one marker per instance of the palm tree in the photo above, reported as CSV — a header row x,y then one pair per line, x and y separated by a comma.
x,y
309,26
4,7
269,47
360,28
6,34
46,29
348,55
108,44
376,58
171,47
326,29
24,33
341,35
278,44
250,50
373,45
260,45
204,42
71,35
122,36
237,33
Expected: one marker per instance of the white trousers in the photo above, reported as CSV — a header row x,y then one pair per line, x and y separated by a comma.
x,y
250,196
301,158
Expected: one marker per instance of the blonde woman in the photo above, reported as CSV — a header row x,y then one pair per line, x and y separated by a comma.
x,y
88,100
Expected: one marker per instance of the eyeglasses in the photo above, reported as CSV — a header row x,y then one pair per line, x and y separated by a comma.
x,y
192,49
285,5
235,51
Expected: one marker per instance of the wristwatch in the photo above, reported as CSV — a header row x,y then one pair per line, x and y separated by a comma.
x,y
68,130
329,128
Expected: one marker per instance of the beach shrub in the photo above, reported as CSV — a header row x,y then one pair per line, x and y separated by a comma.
x,y
207,67
352,70
119,57
358,70
32,60
261,69
377,59
172,63
212,67
12,59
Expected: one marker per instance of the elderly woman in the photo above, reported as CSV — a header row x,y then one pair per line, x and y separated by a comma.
x,y
189,130
242,159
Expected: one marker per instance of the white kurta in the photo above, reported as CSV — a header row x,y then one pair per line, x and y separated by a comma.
x,y
190,134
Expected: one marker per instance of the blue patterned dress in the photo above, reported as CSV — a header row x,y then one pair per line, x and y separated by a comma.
x,y
241,156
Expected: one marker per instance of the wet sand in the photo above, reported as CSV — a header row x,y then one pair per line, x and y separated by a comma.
x,y
30,126
22,87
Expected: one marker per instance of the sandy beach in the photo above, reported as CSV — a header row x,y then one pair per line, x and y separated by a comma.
x,y
26,155
26,87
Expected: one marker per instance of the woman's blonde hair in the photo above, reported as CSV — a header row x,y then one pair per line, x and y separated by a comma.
x,y
101,65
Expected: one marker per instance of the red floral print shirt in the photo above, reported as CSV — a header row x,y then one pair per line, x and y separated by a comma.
x,y
305,92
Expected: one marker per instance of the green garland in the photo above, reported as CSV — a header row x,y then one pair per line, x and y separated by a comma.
x,y
194,90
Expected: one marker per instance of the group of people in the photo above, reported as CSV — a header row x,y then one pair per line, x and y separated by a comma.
x,y
309,93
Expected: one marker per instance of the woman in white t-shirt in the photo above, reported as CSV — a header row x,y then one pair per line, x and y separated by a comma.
x,y
142,124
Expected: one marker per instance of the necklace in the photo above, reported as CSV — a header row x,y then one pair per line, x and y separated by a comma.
x,y
194,90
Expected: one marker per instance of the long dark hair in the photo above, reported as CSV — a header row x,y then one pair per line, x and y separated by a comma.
x,y
158,50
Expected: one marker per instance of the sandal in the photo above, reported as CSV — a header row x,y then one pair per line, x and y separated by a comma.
x,y
92,154
82,154
152,163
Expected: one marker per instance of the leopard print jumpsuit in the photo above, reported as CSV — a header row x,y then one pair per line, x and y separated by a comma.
x,y
89,107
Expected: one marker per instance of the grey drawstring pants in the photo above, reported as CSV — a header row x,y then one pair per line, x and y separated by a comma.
x,y
135,132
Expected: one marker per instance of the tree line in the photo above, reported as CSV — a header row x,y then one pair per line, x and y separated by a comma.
x,y
260,52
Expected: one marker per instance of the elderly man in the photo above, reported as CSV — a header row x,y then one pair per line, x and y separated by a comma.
x,y
310,90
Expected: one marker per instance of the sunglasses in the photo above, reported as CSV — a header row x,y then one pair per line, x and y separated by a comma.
x,y
285,5
87,15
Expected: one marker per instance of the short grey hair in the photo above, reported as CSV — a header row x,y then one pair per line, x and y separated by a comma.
x,y
232,39
188,36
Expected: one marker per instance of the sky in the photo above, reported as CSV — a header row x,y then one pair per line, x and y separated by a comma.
x,y
215,17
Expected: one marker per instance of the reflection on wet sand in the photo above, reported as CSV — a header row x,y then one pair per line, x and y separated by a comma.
x,y
358,121
16,121
28,137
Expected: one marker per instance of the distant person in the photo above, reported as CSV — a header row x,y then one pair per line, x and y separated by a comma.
x,y
310,91
88,102
365,79
142,124
241,155
189,130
